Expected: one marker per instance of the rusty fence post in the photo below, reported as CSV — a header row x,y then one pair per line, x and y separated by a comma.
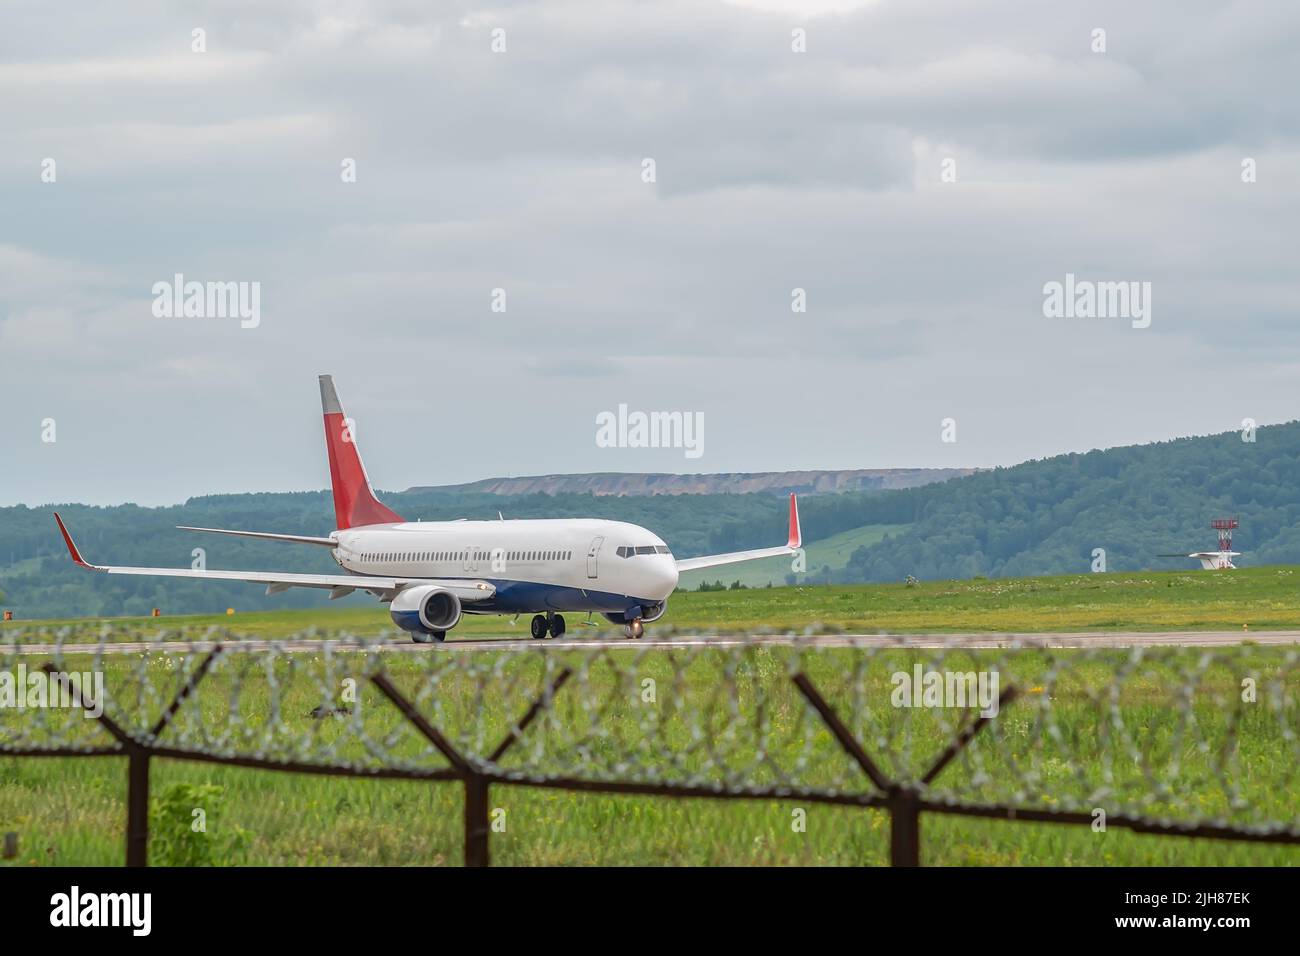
x,y
137,807
904,827
476,785
902,800
137,767
137,779
477,825
137,758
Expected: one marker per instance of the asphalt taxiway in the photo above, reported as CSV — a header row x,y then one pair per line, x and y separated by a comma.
x,y
1110,639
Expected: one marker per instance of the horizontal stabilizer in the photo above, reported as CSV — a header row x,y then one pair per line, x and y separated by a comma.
x,y
267,536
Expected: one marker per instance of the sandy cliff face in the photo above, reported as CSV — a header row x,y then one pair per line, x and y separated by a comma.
x,y
774,482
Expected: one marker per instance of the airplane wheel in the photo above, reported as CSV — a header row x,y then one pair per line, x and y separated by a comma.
x,y
437,637
635,628
557,625
539,627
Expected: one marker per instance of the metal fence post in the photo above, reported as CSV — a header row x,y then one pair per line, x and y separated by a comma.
x,y
904,827
137,807
477,826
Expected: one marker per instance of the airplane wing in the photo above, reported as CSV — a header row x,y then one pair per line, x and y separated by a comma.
x,y
339,585
733,557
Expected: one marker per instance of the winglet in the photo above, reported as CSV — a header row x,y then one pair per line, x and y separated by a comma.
x,y
796,535
72,547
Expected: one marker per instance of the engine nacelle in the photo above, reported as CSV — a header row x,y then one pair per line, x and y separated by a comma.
x,y
654,612
427,609
649,613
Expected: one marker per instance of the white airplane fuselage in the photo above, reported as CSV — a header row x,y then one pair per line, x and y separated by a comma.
x,y
536,565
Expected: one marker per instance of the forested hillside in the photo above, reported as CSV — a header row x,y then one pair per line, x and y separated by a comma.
x,y
1044,517
1040,517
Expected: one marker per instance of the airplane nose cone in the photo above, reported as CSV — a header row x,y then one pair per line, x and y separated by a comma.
x,y
665,575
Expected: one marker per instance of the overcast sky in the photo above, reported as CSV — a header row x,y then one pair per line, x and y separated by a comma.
x,y
522,170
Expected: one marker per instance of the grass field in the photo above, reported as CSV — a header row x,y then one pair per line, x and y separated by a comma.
x,y
1258,598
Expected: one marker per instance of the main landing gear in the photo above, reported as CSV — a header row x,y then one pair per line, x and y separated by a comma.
x,y
634,628
437,637
548,623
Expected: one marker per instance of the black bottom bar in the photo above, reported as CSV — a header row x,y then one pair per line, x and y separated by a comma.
x,y
925,906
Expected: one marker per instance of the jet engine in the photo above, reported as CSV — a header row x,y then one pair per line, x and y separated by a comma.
x,y
426,610
649,613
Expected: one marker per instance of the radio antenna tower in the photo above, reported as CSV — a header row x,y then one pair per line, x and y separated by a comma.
x,y
1225,528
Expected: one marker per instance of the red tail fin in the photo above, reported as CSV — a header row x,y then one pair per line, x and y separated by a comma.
x,y
355,503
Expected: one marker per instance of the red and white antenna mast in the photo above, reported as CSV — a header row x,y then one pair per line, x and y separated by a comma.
x,y
1225,527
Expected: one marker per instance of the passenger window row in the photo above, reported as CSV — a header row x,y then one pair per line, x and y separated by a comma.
x,y
388,556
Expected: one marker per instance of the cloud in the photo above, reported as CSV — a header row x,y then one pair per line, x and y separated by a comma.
x,y
775,170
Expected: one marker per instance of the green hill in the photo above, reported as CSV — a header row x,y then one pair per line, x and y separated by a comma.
x,y
1135,502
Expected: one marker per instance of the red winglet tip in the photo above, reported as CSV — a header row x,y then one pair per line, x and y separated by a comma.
x,y
67,539
796,534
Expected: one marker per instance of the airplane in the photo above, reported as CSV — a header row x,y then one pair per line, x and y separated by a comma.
x,y
431,573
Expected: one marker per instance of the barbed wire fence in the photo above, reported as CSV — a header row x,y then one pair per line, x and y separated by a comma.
x,y
1186,742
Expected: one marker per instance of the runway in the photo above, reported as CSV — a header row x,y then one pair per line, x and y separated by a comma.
x,y
1110,639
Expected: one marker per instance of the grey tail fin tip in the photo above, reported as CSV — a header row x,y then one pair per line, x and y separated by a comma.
x,y
329,397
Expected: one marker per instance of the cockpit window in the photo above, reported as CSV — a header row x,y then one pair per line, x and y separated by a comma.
x,y
628,551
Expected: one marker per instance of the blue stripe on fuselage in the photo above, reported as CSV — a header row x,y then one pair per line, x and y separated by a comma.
x,y
520,597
